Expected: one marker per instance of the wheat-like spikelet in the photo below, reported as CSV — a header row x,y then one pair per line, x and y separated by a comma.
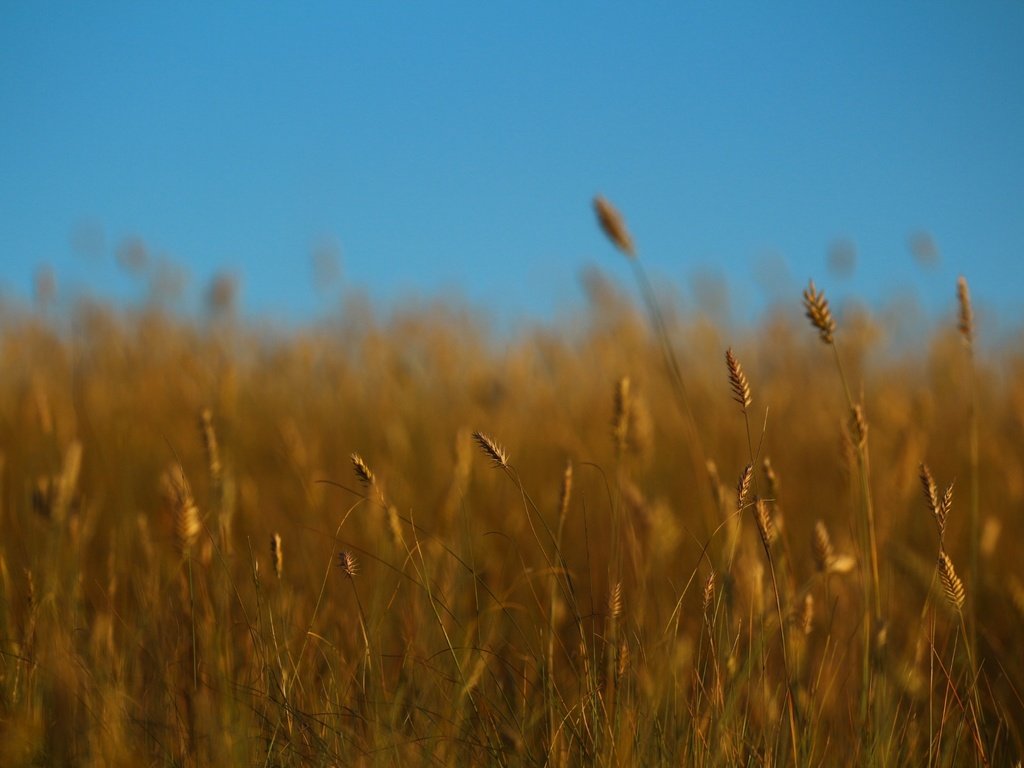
x,y
951,584
939,508
931,490
210,444
717,489
738,381
67,481
347,563
615,601
709,594
620,416
563,499
945,506
623,658
362,470
395,526
806,618
765,524
965,314
821,547
743,486
825,558
817,310
614,227
858,426
495,452
276,554
186,513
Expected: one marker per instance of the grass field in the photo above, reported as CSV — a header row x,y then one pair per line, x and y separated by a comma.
x,y
408,541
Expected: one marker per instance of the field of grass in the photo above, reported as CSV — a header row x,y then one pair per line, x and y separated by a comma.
x,y
406,541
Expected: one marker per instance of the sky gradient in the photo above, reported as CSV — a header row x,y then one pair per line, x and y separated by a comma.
x,y
453,149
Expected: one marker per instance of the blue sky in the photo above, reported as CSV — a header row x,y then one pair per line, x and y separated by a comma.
x,y
452,149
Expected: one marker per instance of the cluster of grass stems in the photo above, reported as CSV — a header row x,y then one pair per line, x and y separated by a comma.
x,y
406,541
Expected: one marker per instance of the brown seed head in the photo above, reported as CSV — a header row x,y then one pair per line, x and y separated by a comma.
x,y
765,524
709,592
738,381
347,563
363,472
276,554
806,619
858,426
497,454
210,443
945,506
615,601
743,486
563,504
821,546
614,227
965,318
951,584
620,418
817,310
939,508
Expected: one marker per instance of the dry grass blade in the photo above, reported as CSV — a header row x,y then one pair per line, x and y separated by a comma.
x,y
819,313
614,227
495,452
738,381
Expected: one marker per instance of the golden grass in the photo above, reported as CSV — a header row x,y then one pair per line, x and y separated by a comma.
x,y
605,600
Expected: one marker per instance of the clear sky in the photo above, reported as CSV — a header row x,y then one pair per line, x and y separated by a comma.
x,y
452,149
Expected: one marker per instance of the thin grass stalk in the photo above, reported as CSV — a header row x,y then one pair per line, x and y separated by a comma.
x,y
966,327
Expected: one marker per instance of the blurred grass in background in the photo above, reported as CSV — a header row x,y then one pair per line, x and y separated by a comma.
x,y
579,585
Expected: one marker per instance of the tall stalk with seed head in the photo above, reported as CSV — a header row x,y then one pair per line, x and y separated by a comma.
x,y
965,324
819,313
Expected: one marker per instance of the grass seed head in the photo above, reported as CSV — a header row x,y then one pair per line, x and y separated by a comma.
x,y
614,227
276,554
738,381
497,454
951,584
965,314
819,313
765,524
363,472
347,563
743,486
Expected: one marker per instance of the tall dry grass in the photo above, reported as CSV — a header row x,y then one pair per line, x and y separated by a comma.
x,y
403,540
